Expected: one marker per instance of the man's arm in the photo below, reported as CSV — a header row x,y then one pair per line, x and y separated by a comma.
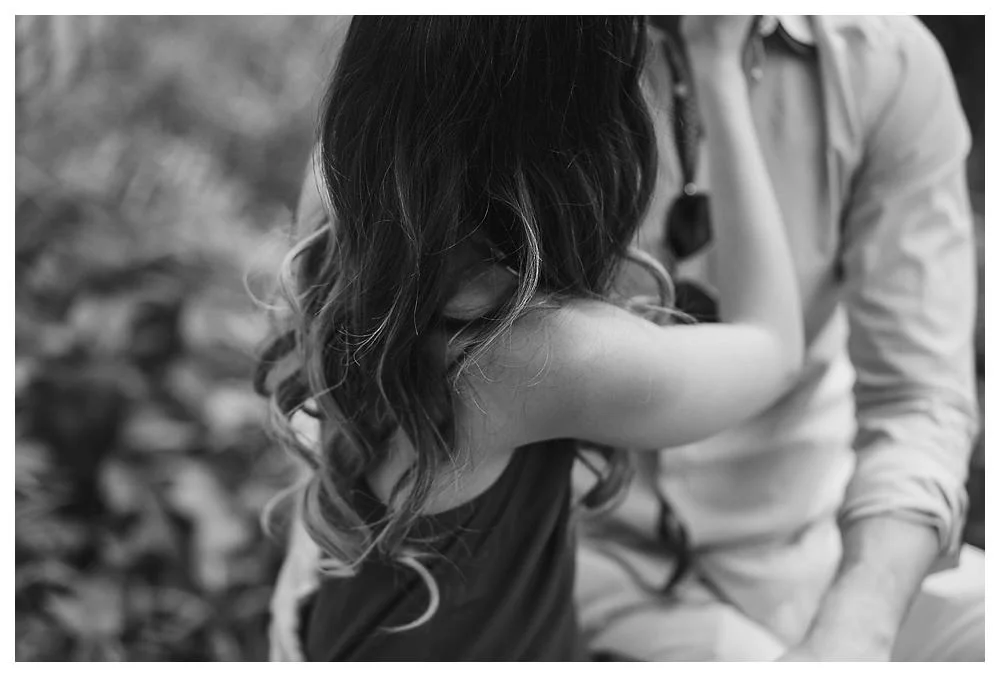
x,y
885,560
909,267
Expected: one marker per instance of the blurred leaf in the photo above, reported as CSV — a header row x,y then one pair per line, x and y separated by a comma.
x,y
94,610
102,323
151,430
32,462
39,530
219,530
231,410
123,491
222,320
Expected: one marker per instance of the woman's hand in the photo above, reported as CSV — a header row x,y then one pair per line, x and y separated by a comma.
x,y
715,40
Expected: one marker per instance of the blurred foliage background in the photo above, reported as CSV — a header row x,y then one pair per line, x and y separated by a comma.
x,y
156,159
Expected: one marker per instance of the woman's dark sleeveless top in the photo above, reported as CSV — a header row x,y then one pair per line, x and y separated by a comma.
x,y
504,565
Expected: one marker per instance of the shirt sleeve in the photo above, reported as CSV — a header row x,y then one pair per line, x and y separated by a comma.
x,y
909,281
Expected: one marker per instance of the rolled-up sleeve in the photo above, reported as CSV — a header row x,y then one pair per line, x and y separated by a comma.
x,y
909,273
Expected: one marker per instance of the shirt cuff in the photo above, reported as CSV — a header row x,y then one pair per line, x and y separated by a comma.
x,y
892,482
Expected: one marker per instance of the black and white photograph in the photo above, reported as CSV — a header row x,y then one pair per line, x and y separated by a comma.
x,y
489,338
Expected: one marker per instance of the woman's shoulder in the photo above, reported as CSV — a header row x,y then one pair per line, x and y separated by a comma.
x,y
570,333
527,384
548,335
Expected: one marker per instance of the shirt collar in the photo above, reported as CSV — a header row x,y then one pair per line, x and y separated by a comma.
x,y
795,30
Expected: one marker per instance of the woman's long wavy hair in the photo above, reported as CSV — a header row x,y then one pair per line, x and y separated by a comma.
x,y
524,140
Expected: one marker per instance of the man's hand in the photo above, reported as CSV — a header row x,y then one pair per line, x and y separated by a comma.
x,y
885,561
